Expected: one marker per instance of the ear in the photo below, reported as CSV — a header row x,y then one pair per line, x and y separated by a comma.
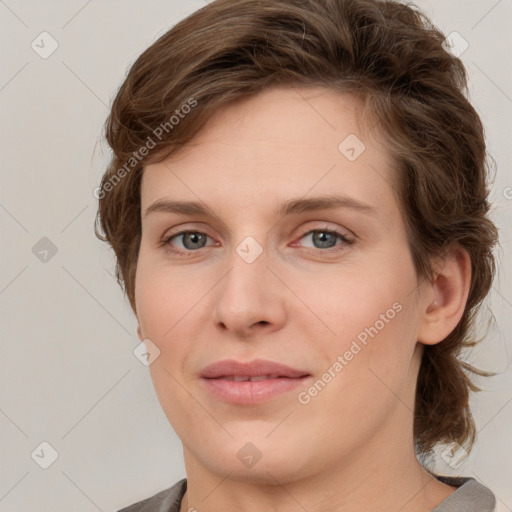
x,y
139,331
446,297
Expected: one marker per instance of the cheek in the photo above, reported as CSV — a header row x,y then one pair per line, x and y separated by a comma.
x,y
352,301
370,320
164,299
367,374
164,310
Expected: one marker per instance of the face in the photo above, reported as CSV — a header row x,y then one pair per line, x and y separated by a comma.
x,y
295,253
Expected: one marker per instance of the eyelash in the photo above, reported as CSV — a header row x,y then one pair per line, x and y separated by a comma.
x,y
166,241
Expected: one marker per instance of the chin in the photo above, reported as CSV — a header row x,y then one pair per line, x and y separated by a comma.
x,y
248,462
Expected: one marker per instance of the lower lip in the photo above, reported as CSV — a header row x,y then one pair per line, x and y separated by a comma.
x,y
250,393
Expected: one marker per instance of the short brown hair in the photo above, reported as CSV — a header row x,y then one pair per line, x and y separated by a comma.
x,y
386,53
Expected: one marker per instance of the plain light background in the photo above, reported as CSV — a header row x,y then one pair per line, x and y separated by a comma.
x,y
68,373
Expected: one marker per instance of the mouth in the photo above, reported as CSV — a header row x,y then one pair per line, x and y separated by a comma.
x,y
236,378
251,383
260,369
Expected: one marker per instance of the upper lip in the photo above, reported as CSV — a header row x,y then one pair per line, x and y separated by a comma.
x,y
254,368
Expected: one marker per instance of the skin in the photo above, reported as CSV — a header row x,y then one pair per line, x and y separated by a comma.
x,y
299,303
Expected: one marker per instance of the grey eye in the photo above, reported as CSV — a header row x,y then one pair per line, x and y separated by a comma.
x,y
323,239
192,240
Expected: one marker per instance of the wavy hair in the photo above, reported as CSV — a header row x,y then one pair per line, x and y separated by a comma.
x,y
385,52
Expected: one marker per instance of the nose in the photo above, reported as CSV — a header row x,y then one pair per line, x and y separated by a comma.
x,y
250,299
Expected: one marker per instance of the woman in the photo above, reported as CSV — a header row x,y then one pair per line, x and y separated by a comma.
x,y
297,201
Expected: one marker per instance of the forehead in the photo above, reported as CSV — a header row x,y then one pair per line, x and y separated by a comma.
x,y
304,119
280,143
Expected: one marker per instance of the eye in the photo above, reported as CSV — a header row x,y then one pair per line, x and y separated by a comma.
x,y
190,240
325,238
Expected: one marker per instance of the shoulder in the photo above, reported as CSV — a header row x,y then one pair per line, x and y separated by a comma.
x,y
470,496
168,500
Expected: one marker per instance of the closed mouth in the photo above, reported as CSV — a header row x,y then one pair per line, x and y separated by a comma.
x,y
239,378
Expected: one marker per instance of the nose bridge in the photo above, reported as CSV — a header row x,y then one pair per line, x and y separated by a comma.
x,y
248,269
246,296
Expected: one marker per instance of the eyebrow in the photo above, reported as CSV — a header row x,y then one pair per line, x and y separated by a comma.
x,y
290,207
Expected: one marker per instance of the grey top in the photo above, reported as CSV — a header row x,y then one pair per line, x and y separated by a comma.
x,y
470,496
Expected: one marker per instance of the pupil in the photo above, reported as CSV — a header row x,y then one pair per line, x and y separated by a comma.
x,y
322,237
194,238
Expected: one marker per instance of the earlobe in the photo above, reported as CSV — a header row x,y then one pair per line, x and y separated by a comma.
x,y
139,332
451,289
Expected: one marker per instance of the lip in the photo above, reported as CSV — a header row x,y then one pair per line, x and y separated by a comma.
x,y
281,379
254,368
